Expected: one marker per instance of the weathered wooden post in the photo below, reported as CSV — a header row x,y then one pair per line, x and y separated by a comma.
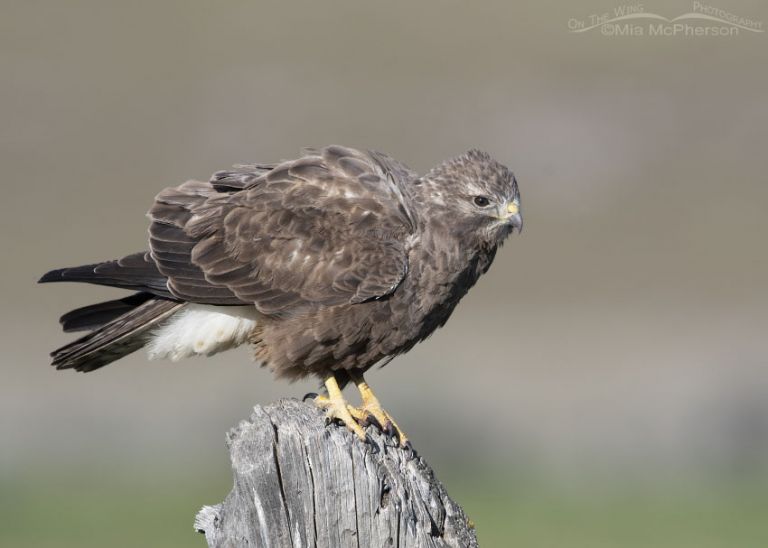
x,y
300,483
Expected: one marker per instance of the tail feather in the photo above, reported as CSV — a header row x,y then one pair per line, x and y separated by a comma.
x,y
117,338
137,271
94,316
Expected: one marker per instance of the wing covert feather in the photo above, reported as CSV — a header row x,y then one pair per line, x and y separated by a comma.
x,y
329,228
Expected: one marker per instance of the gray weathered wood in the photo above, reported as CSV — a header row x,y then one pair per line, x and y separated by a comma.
x,y
300,483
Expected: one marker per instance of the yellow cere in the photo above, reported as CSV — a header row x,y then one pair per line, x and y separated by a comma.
x,y
513,208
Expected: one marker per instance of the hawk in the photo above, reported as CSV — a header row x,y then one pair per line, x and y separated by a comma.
x,y
325,265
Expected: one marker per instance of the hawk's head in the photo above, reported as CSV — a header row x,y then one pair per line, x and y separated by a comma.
x,y
475,194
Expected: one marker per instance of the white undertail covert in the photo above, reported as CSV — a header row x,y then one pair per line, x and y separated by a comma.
x,y
201,330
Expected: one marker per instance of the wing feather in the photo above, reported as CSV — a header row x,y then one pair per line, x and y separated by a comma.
x,y
329,228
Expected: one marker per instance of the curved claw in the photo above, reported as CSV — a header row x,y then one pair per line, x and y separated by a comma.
x,y
392,432
374,446
372,420
309,396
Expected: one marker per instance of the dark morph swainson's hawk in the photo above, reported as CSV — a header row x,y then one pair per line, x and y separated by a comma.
x,y
326,265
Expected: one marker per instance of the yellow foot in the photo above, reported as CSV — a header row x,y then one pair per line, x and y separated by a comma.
x,y
336,407
372,412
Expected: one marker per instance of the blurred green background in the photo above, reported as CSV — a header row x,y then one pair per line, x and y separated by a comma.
x,y
606,384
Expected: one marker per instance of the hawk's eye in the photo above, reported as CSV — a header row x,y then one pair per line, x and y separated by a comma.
x,y
481,201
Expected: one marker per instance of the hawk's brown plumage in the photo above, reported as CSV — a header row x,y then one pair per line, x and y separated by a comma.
x,y
346,258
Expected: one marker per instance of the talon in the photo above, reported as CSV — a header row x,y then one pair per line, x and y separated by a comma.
x,y
371,419
396,435
309,396
374,446
336,408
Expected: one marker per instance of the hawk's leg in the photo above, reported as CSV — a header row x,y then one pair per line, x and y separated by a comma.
x,y
336,406
371,408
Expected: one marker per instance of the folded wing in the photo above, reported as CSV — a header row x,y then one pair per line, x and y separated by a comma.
x,y
329,228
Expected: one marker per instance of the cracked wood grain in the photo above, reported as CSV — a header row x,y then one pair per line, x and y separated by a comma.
x,y
299,483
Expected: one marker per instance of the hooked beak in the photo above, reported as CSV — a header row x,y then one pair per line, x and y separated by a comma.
x,y
513,216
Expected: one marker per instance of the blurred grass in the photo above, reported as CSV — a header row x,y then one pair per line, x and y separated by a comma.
x,y
87,509
541,514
